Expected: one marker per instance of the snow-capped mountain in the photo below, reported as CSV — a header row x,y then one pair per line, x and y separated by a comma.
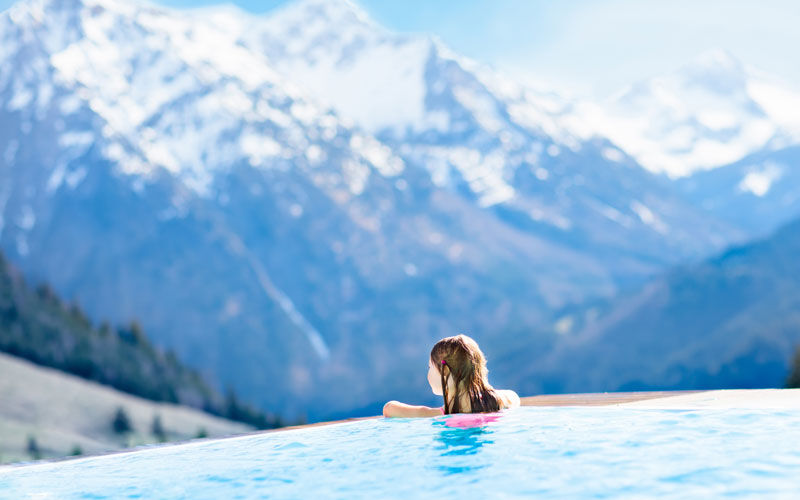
x,y
726,133
293,201
480,134
154,168
712,112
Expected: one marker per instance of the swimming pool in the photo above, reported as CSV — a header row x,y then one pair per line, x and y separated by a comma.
x,y
566,452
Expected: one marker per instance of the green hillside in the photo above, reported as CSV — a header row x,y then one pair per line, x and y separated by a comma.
x,y
46,413
35,324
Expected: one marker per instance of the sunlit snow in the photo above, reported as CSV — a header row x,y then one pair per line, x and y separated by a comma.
x,y
759,179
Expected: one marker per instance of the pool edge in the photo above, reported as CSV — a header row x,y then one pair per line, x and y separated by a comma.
x,y
633,400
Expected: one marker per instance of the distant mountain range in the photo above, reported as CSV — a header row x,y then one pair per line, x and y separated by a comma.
x,y
757,193
511,150
713,111
732,321
296,200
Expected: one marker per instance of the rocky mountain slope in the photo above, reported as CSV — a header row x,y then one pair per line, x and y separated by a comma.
x,y
512,150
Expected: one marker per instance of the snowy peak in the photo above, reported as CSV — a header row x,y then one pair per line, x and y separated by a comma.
x,y
711,112
716,70
475,131
62,21
714,78
335,11
54,12
388,82
178,93
314,29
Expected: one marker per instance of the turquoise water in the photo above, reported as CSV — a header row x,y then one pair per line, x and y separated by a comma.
x,y
600,452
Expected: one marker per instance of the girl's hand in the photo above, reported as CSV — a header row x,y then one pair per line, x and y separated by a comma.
x,y
510,398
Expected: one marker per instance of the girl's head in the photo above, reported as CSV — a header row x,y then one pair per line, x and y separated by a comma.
x,y
457,371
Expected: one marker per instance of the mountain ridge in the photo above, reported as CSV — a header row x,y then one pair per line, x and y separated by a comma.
x,y
711,112
728,322
279,245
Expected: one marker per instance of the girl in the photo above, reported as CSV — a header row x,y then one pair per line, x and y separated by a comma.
x,y
457,372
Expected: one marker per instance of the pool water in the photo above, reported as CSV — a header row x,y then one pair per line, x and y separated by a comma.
x,y
567,452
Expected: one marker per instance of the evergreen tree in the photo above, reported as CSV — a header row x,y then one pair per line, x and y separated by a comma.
x,y
201,433
158,429
46,293
78,315
11,313
76,450
33,448
137,334
235,410
37,325
121,422
793,381
105,329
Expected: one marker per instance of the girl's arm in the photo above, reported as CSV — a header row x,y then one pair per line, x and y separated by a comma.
x,y
398,409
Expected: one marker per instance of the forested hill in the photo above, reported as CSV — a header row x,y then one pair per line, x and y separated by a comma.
x,y
37,325
730,322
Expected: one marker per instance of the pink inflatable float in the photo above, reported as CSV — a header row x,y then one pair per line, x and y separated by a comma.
x,y
467,420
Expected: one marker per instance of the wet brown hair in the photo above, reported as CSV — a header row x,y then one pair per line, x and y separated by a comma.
x,y
461,359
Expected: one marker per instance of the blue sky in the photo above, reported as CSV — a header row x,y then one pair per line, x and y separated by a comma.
x,y
591,47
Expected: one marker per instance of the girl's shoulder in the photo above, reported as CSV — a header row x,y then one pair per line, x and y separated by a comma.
x,y
508,398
